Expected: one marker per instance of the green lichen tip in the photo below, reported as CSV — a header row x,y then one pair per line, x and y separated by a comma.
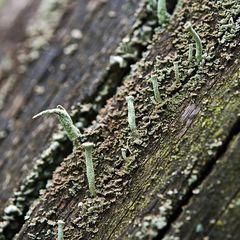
x,y
130,98
197,39
61,222
88,145
72,131
188,25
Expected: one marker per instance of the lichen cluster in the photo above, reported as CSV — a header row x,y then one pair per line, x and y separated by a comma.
x,y
160,127
130,49
165,151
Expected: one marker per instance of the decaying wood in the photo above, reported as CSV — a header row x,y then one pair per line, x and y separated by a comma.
x,y
179,178
214,209
54,78
51,81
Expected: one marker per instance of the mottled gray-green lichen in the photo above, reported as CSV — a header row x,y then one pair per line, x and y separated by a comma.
x,y
129,49
158,156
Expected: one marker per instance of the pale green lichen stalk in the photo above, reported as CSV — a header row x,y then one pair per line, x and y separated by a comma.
x,y
88,147
60,230
72,131
156,92
131,114
190,53
162,13
176,71
197,39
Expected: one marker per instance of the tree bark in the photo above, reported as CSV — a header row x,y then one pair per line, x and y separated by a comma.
x,y
179,176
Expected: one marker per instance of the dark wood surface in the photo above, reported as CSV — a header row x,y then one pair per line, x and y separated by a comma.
x,y
213,209
179,180
79,81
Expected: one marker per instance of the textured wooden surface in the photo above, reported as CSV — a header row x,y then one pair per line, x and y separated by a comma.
x,y
179,180
54,77
213,209
78,81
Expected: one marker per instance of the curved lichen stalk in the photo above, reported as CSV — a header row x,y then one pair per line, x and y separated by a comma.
x,y
72,131
163,15
198,42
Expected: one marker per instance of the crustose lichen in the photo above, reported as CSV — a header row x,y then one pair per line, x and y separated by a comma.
x,y
190,53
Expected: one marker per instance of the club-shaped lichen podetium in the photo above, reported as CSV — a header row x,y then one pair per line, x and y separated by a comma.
x,y
162,13
72,131
157,98
198,42
131,115
88,147
176,71
190,53
60,229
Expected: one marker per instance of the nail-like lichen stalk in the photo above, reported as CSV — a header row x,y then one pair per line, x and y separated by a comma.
x,y
162,13
156,92
176,71
88,147
197,39
131,114
60,230
190,53
124,153
72,131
